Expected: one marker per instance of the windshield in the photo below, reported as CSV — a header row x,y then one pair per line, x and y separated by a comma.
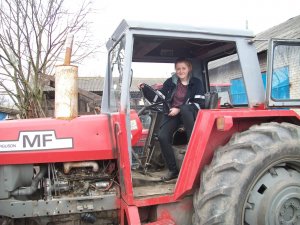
x,y
116,73
226,78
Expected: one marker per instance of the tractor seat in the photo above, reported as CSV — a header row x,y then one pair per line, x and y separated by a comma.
x,y
211,100
179,136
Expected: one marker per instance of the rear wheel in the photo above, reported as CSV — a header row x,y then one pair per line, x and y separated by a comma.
x,y
253,180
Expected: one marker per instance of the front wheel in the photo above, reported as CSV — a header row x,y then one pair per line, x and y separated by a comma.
x,y
253,180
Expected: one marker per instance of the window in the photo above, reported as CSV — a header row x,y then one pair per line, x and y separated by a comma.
x,y
285,73
226,72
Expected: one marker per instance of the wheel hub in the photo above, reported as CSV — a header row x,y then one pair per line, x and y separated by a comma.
x,y
275,199
286,207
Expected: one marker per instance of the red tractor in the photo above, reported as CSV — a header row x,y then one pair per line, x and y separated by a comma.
x,y
240,167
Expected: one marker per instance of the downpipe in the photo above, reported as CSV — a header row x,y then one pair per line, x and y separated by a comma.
x,y
34,185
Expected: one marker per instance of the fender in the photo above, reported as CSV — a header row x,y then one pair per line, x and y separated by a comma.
x,y
206,138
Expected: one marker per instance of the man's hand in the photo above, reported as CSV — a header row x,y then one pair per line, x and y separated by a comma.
x,y
174,111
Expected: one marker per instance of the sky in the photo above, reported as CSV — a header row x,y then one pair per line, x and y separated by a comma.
x,y
257,15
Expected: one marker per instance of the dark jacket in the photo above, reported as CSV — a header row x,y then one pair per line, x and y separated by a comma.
x,y
195,92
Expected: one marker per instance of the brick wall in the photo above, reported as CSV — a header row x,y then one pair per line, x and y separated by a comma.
x,y
225,73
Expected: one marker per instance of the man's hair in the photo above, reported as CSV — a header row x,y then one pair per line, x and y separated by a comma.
x,y
184,60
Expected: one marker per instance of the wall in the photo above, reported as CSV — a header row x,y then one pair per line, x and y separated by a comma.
x,y
225,73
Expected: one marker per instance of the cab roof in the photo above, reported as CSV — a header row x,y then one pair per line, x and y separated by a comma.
x,y
180,28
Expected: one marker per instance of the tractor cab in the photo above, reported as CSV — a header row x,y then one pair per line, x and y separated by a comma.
x,y
139,53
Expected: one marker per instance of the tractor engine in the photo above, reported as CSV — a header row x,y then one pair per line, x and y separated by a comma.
x,y
85,191
77,179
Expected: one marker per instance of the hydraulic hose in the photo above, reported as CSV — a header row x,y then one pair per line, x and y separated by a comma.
x,y
34,185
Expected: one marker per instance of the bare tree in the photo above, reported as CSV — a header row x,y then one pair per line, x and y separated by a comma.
x,y
32,35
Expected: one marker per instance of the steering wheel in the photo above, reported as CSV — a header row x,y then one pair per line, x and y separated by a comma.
x,y
154,97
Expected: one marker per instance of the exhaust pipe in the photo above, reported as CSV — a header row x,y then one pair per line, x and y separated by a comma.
x,y
66,86
69,165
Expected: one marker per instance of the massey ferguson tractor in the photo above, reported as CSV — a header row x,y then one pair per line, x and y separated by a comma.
x,y
241,165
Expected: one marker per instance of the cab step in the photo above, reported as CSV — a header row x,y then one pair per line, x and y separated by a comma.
x,y
162,222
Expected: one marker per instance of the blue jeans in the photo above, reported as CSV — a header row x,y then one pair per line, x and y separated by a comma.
x,y
168,126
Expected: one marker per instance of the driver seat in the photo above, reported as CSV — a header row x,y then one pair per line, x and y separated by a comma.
x,y
211,102
179,137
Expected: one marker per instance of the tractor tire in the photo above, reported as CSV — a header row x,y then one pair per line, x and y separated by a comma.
x,y
253,180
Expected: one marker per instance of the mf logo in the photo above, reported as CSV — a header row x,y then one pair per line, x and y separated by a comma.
x,y
36,140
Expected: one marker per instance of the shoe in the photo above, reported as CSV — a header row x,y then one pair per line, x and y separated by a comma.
x,y
171,175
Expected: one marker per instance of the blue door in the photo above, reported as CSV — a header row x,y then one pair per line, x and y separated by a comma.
x,y
238,92
2,115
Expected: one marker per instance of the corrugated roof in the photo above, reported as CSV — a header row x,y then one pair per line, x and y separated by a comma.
x,y
9,110
92,84
138,80
289,29
95,84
